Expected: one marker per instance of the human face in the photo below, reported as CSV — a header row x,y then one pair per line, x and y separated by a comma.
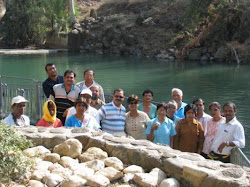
x,y
118,98
190,115
18,109
147,97
229,113
133,105
81,108
161,112
51,71
95,90
69,79
52,111
214,111
177,97
171,109
87,97
200,106
89,76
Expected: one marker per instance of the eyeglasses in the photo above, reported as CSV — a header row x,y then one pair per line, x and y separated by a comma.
x,y
20,105
118,96
133,103
172,108
215,110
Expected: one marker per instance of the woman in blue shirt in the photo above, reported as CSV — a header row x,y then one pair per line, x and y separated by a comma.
x,y
80,119
161,129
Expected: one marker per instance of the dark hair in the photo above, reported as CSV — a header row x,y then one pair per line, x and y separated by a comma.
x,y
51,105
230,104
87,71
215,104
161,105
190,107
148,91
118,90
48,64
69,71
133,98
198,99
81,100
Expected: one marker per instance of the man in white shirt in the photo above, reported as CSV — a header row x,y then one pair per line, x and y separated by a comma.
x,y
201,116
17,116
87,94
229,135
88,82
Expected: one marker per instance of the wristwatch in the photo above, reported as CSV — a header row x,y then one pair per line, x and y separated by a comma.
x,y
227,142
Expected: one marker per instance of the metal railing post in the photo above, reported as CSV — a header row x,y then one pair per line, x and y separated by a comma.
x,y
37,100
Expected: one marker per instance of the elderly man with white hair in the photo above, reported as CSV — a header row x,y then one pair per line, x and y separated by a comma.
x,y
177,96
171,110
17,116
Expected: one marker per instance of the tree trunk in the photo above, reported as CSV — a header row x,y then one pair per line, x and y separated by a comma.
x,y
2,9
72,11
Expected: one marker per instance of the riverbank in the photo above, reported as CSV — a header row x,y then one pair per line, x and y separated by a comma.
x,y
30,51
176,29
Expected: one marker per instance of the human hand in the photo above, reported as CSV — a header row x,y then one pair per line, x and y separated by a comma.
x,y
221,147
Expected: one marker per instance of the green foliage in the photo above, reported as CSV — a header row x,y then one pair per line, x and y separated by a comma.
x,y
13,164
27,21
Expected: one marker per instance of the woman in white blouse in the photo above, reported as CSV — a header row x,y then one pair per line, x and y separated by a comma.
x,y
212,127
136,121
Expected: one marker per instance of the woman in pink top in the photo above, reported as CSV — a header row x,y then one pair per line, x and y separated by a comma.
x,y
49,118
212,127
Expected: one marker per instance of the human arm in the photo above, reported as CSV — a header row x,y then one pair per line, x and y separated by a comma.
x,y
151,130
201,138
177,136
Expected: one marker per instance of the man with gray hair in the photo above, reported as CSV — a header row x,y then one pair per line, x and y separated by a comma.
x,y
171,109
177,96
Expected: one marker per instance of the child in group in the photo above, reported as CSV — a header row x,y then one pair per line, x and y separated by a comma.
x,y
49,118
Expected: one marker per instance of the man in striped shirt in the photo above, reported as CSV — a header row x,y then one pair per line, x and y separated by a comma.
x,y
112,115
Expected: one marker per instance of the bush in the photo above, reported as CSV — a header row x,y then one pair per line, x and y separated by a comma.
x,y
13,164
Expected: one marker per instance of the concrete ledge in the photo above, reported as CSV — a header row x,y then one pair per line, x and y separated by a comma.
x,y
190,169
30,51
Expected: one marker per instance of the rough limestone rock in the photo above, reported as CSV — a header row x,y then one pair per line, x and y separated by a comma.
x,y
74,181
63,172
170,182
68,162
35,183
52,157
128,177
145,179
97,153
96,165
159,174
97,180
196,174
39,174
36,151
133,169
111,173
52,180
55,166
43,165
114,162
71,148
83,171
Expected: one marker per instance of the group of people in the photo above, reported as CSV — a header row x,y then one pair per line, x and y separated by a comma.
x,y
185,127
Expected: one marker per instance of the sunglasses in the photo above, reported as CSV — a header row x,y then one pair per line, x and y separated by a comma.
x,y
118,96
133,103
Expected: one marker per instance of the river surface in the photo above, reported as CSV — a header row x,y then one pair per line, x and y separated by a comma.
x,y
212,82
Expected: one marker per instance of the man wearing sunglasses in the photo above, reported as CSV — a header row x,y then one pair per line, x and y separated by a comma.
x,y
17,116
112,115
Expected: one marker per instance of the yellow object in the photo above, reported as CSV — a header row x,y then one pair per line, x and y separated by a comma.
x,y
46,114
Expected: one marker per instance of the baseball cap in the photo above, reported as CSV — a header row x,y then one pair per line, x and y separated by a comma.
x,y
86,91
18,99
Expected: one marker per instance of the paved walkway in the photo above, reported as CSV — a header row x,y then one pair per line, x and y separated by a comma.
x,y
30,51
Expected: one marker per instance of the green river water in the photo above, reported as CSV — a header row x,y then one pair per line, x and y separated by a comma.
x,y
212,82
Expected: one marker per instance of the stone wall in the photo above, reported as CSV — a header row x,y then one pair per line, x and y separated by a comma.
x,y
189,169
